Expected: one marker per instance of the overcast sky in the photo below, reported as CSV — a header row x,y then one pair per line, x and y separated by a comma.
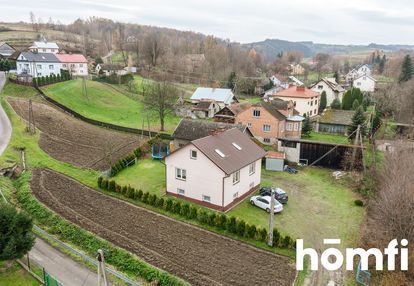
x,y
322,21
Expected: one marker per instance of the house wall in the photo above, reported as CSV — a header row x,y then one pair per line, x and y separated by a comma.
x,y
365,83
293,129
292,153
247,182
304,105
203,176
76,68
274,164
331,128
277,127
41,50
37,69
331,95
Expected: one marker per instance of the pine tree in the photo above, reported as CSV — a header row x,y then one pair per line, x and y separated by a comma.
x,y
306,127
347,100
336,104
232,80
355,104
357,119
322,103
406,69
336,76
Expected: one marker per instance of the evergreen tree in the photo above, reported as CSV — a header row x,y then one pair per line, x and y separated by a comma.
x,y
336,104
365,103
16,237
355,104
406,69
231,80
322,103
306,127
347,100
357,119
381,65
336,76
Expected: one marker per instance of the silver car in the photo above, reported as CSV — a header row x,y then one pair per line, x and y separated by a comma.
x,y
263,202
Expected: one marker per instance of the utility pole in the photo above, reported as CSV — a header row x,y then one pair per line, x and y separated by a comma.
x,y
355,145
32,127
101,269
272,214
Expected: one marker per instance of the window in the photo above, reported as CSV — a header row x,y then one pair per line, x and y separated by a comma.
x,y
256,113
44,50
180,192
81,65
289,126
266,140
206,198
249,125
358,83
296,126
320,86
310,113
314,112
252,168
39,67
235,195
180,174
316,101
311,103
266,127
51,67
236,177
288,144
193,154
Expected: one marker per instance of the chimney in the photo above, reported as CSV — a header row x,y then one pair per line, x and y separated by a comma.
x,y
300,88
217,131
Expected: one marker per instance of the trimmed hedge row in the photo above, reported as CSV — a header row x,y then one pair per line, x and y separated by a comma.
x,y
231,224
45,80
88,242
129,160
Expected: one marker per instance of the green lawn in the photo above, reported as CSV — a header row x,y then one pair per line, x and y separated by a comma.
x,y
16,276
106,104
319,207
147,175
328,138
250,99
17,90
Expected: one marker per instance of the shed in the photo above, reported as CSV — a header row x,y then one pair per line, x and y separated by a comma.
x,y
275,161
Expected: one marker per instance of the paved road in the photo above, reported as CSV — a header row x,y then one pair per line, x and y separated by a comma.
x,y
5,126
60,266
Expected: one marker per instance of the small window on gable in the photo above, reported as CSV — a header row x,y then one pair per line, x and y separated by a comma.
x,y
256,113
193,154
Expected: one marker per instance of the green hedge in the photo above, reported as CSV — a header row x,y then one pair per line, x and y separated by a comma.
x,y
231,224
45,80
129,160
88,242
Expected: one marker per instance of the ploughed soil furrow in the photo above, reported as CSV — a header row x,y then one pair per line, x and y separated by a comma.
x,y
198,256
70,140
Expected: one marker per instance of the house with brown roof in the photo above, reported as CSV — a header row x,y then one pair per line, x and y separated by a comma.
x,y
306,101
216,171
191,129
205,109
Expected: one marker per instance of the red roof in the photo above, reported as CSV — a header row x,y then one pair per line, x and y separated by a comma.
x,y
71,58
297,91
275,155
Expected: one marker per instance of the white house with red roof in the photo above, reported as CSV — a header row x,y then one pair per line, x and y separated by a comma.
x,y
306,101
76,64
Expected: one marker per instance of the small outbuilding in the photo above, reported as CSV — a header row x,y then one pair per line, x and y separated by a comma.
x,y
275,161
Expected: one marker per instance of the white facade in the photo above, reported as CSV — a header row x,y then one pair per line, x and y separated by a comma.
x,y
331,94
80,69
44,47
304,105
204,181
36,68
365,83
357,72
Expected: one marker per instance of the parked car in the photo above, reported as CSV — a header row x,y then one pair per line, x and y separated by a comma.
x,y
263,202
280,194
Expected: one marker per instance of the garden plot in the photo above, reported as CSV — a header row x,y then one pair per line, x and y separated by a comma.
x,y
196,255
73,141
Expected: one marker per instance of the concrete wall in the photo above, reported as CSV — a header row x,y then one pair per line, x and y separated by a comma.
x,y
274,164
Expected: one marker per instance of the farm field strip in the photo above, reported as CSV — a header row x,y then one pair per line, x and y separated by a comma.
x,y
196,255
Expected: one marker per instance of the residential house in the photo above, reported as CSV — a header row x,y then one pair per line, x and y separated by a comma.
x,y
6,50
228,113
305,101
33,65
205,109
190,129
44,47
332,89
108,69
271,120
365,83
223,96
334,121
295,81
296,69
76,64
356,72
216,171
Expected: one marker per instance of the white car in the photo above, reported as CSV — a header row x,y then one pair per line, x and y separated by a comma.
x,y
263,202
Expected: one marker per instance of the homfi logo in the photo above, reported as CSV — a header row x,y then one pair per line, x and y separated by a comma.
x,y
333,259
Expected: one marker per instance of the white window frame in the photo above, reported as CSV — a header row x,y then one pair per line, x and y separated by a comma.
x,y
51,67
206,199
180,174
235,195
191,154
295,126
236,177
252,168
267,129
181,192
289,126
256,113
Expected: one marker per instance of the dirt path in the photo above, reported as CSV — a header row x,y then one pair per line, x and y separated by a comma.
x,y
73,141
198,256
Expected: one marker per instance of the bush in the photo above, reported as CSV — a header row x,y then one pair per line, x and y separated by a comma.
x,y
231,225
211,220
139,194
241,227
221,221
130,192
100,182
160,202
251,231
202,217
359,203
104,184
124,191
262,234
185,210
286,242
111,186
193,212
176,207
145,197
168,205
152,199
276,237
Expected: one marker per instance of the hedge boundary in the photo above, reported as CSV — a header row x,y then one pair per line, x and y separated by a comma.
x,y
123,260
233,225
101,123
